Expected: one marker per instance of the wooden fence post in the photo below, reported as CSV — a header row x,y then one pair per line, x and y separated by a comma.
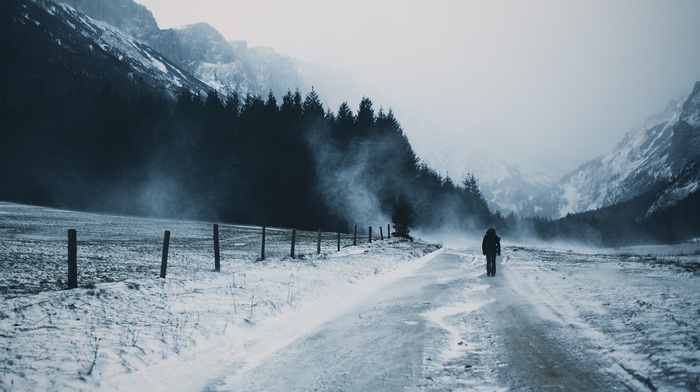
x,y
354,238
388,231
339,241
164,262
370,234
294,238
381,233
262,248
72,259
318,243
217,255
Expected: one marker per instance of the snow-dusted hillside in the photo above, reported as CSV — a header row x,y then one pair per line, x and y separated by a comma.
x,y
658,156
142,61
225,66
508,186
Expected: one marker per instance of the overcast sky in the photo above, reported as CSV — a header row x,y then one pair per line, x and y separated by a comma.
x,y
539,83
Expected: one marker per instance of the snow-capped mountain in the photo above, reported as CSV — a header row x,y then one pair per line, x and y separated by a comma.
x,y
660,156
75,31
507,189
225,66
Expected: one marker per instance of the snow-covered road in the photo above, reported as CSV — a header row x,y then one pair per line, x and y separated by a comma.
x,y
379,344
538,354
449,327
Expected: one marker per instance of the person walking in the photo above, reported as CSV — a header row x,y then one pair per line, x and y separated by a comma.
x,y
491,247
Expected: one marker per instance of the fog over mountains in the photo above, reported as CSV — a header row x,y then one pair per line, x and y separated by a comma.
x,y
660,156
225,66
657,162
228,66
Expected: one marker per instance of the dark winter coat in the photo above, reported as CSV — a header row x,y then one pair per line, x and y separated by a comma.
x,y
491,242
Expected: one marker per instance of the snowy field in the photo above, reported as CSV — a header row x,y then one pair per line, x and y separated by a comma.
x,y
124,320
637,311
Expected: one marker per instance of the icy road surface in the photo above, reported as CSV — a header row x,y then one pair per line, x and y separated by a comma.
x,y
445,327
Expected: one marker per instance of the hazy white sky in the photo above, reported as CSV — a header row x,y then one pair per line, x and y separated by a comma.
x,y
545,82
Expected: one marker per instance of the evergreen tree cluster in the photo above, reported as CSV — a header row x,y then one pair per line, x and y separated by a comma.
x,y
236,159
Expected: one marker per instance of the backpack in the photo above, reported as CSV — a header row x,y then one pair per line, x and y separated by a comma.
x,y
491,239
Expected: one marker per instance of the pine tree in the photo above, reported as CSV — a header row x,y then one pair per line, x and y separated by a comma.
x,y
313,108
271,104
387,122
365,117
344,123
291,108
213,103
233,105
471,185
403,217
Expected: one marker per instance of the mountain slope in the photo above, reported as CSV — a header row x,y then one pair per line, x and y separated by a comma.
x,y
96,42
660,154
512,186
225,66
69,82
